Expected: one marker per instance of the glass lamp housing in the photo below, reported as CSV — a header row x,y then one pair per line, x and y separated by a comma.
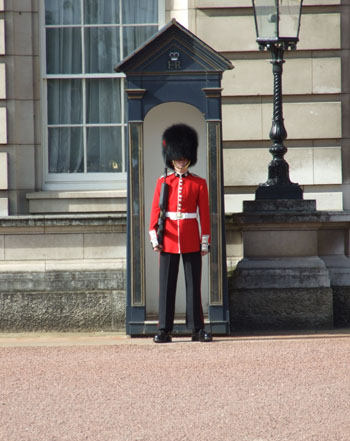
x,y
277,20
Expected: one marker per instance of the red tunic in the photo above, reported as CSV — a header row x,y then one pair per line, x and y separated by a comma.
x,y
188,208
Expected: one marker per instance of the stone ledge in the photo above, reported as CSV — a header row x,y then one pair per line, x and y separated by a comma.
x,y
91,194
41,266
64,220
59,281
77,201
313,218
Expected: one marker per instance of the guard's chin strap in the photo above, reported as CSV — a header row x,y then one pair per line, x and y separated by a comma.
x,y
185,167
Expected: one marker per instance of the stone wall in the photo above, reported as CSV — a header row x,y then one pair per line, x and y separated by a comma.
x,y
312,92
68,272
63,273
20,117
315,87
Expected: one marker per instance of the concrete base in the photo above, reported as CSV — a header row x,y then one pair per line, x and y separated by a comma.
x,y
341,306
281,293
65,311
339,270
288,309
63,301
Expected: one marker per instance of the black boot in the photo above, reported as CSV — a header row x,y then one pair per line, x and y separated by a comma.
x,y
201,335
162,337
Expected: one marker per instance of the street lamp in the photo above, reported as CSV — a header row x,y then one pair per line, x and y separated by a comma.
x,y
277,29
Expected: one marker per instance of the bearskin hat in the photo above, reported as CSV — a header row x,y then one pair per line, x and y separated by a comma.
x,y
180,141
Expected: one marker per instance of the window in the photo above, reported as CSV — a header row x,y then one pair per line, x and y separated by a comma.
x,y
84,103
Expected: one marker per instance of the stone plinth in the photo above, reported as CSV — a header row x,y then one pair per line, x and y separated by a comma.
x,y
281,293
339,272
281,282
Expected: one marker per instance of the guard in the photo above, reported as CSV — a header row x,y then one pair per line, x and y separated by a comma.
x,y
180,225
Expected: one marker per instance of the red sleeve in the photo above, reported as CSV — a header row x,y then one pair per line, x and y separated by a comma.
x,y
204,214
155,207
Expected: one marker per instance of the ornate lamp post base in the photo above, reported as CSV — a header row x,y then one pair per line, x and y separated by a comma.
x,y
278,191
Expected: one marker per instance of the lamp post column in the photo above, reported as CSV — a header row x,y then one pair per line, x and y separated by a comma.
x,y
278,184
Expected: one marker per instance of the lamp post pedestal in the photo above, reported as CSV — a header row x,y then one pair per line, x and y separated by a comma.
x,y
281,282
278,184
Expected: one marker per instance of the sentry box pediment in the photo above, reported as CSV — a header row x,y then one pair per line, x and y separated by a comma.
x,y
174,65
174,49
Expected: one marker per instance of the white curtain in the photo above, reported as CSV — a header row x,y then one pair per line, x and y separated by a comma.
x,y
66,151
103,106
140,11
103,49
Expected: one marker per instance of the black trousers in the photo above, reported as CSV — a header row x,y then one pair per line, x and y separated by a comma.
x,y
168,273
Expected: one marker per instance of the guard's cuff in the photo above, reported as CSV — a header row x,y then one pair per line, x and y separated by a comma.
x,y
153,238
205,243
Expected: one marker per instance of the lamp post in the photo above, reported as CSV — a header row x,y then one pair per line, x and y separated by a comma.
x,y
277,28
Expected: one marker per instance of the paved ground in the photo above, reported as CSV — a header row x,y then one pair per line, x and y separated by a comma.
x,y
101,387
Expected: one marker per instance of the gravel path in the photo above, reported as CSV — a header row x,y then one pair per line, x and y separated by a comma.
x,y
111,388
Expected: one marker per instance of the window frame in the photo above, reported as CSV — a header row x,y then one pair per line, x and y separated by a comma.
x,y
85,180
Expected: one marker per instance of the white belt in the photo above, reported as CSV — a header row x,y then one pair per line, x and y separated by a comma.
x,y
176,215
